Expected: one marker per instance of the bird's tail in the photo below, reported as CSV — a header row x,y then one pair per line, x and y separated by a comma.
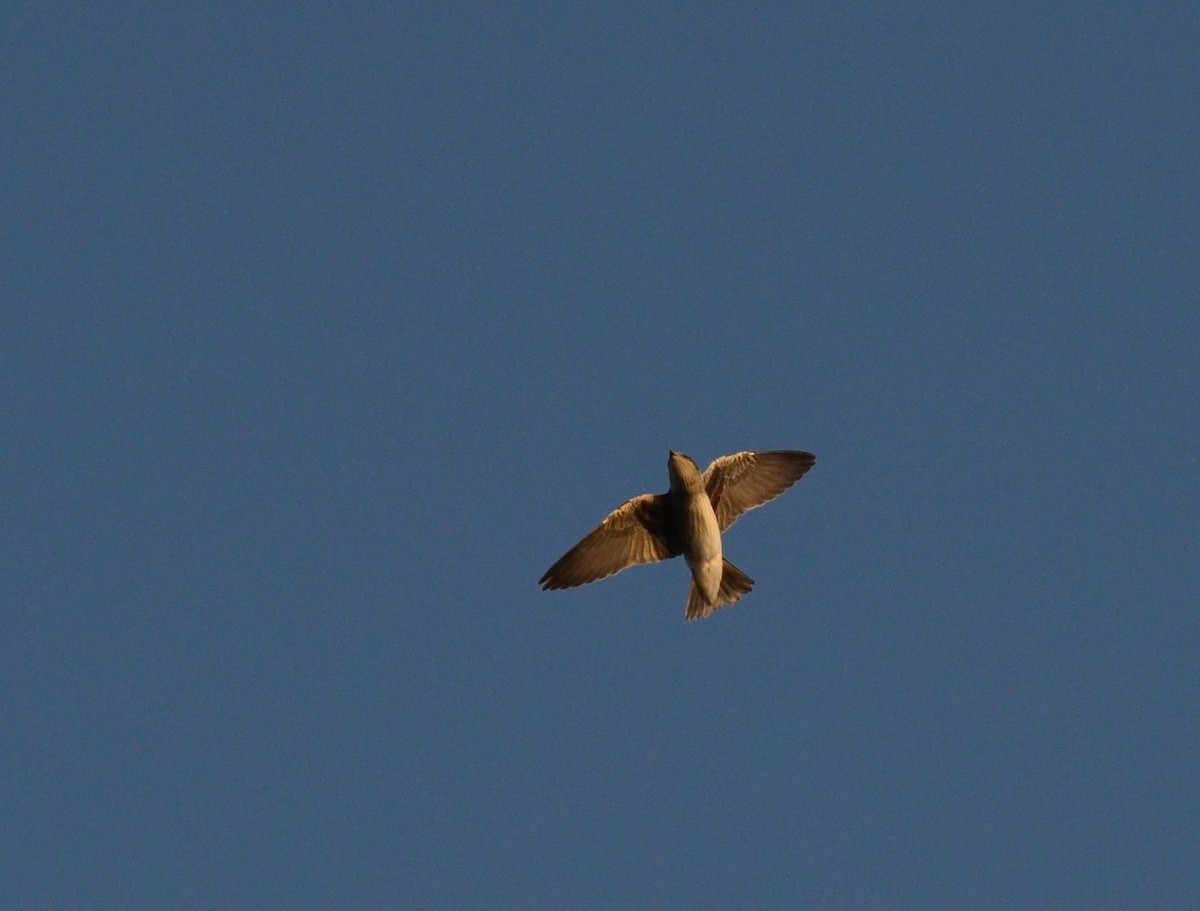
x,y
734,584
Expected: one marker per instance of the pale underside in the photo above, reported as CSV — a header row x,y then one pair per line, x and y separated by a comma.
x,y
643,530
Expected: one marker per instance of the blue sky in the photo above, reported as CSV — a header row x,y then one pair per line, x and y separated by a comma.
x,y
325,331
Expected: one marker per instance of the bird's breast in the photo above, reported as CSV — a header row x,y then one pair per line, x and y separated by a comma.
x,y
700,536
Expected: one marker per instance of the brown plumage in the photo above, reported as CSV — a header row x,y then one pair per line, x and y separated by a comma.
x,y
688,519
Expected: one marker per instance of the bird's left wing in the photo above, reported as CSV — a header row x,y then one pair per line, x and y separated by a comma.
x,y
744,480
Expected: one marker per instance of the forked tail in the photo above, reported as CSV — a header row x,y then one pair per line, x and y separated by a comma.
x,y
734,584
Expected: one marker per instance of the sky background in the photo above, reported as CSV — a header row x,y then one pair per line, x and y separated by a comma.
x,y
325,329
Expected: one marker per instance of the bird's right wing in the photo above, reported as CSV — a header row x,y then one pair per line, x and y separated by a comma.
x,y
636,532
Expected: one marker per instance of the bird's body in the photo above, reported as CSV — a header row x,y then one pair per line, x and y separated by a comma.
x,y
688,519
699,533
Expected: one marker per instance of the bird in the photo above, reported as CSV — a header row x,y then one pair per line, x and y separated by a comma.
x,y
688,519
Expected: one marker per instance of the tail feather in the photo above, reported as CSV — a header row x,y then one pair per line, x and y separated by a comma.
x,y
734,584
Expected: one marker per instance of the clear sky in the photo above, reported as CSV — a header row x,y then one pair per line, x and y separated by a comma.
x,y
326,328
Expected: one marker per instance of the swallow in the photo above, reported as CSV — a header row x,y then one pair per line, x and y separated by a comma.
x,y
688,519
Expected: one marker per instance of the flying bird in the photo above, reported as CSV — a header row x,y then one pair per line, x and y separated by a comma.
x,y
688,519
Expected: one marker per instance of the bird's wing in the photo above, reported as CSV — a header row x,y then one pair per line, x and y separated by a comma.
x,y
744,480
636,532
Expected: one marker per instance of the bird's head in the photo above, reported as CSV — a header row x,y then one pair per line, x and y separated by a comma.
x,y
685,474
